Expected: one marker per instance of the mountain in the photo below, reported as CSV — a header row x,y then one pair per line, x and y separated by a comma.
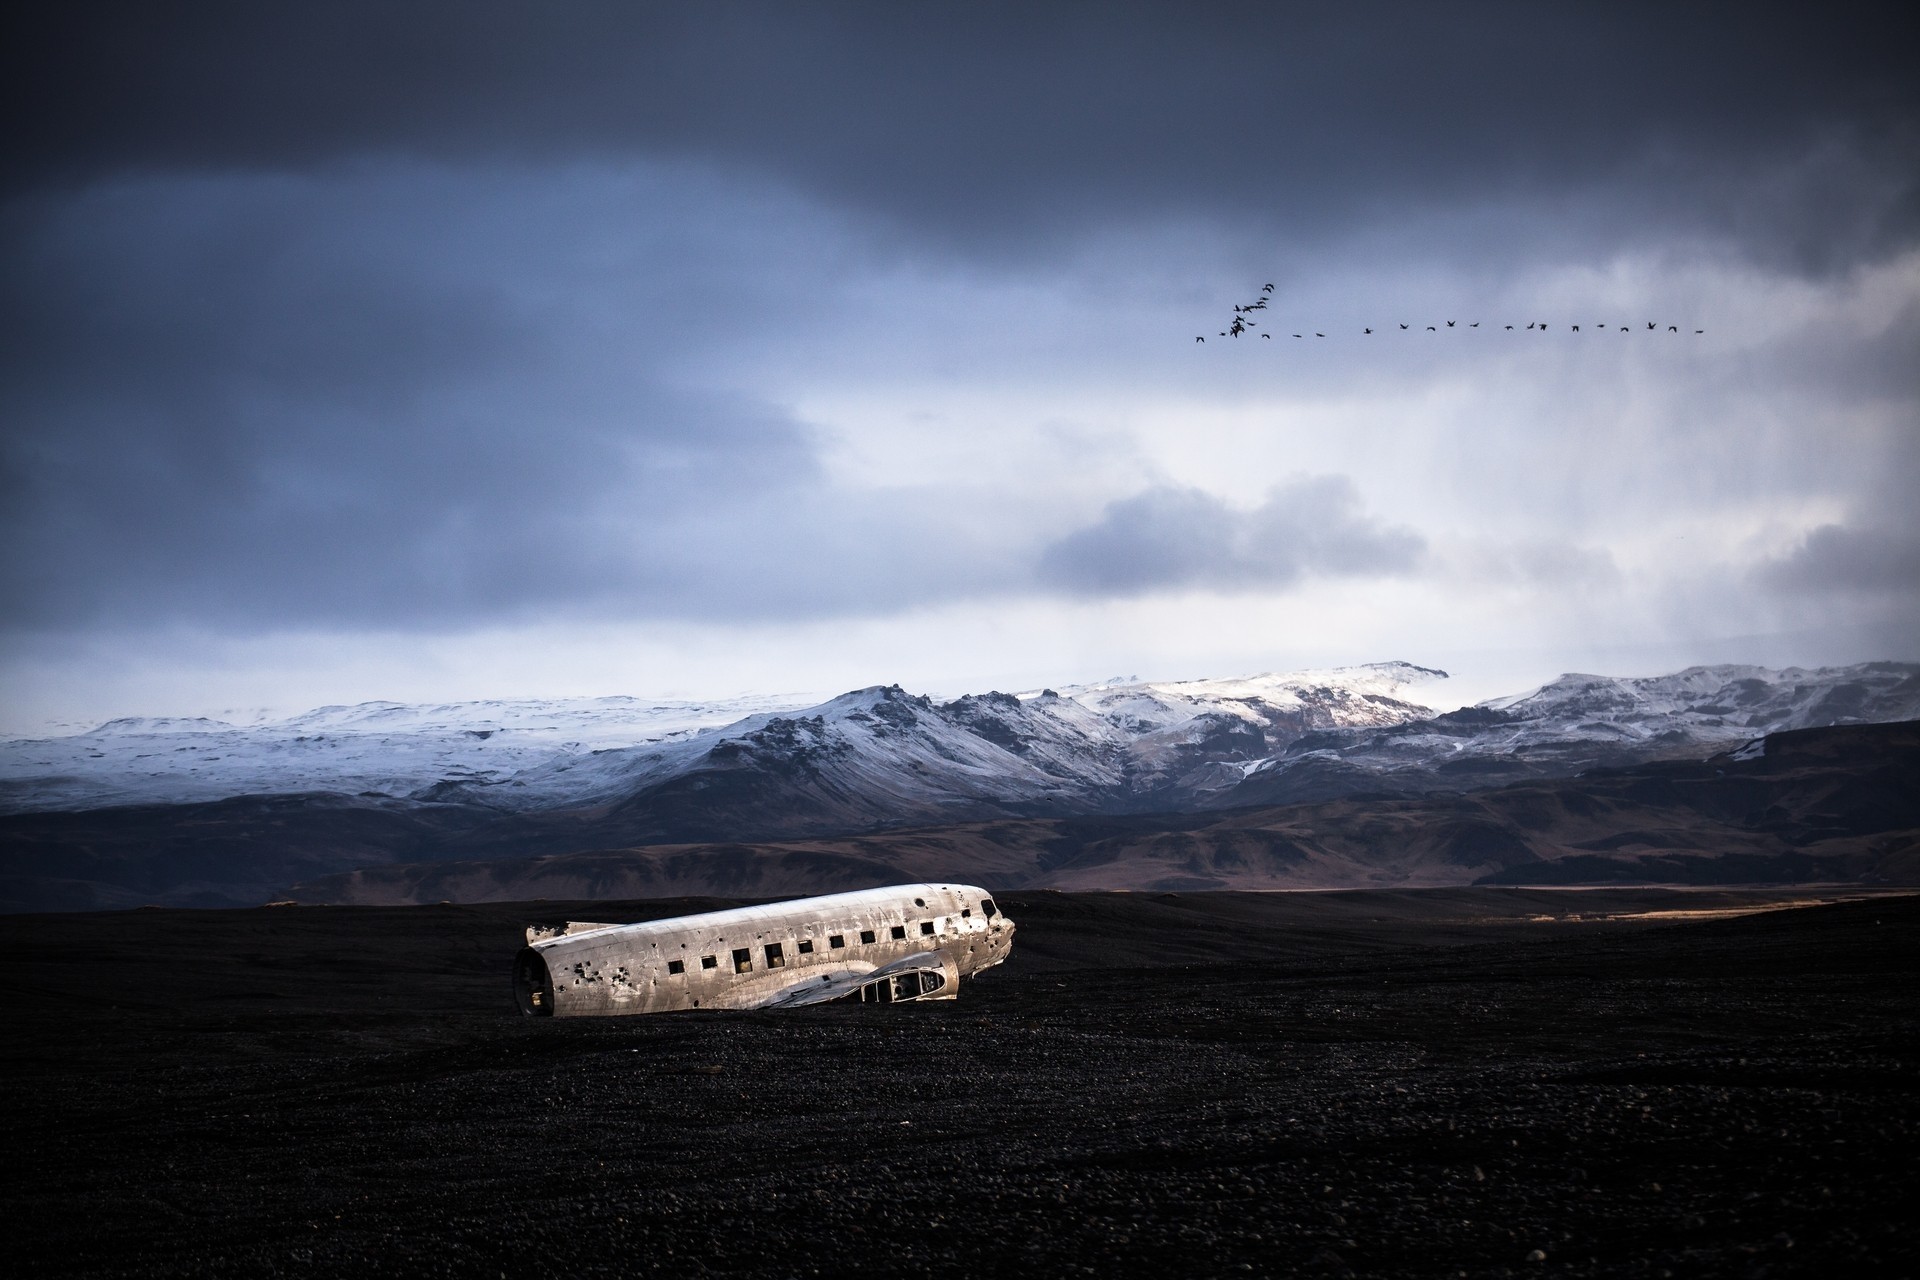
x,y
1807,806
344,790
1577,723
384,749
873,755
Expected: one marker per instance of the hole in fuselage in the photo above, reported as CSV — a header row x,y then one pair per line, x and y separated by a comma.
x,y
533,985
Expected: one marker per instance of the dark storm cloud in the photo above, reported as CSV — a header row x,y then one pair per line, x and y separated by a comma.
x,y
1786,129
1838,559
1170,538
386,401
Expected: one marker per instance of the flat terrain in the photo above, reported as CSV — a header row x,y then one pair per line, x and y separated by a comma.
x,y
1434,1083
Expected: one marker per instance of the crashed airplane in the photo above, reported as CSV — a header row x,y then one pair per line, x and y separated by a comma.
x,y
908,942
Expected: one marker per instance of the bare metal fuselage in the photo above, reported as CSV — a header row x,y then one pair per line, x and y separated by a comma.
x,y
908,942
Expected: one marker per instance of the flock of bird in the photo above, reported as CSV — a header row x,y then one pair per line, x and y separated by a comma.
x,y
1244,323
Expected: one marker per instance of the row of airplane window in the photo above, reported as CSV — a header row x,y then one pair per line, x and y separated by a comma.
x,y
776,954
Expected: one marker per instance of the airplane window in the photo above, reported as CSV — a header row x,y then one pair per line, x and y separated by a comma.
x,y
899,931
742,960
806,946
866,936
776,958
926,928
986,906
709,962
836,942
966,913
676,966
919,902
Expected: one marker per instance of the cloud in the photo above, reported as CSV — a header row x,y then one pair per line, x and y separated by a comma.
x,y
418,398
1778,127
1838,559
1169,538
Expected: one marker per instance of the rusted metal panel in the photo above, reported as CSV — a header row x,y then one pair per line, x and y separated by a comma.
x,y
785,953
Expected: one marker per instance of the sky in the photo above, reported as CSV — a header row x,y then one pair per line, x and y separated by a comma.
x,y
452,351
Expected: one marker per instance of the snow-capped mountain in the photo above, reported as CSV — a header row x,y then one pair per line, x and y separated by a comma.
x,y
1112,775
1581,722
385,748
638,771
880,753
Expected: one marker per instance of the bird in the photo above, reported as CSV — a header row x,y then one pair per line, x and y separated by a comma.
x,y
1431,329
1366,331
1474,325
1576,328
1403,326
1650,324
1509,328
1266,335
1267,288
1699,330
1624,329
1296,335
1198,338
1673,328
1529,326
1319,335
1543,326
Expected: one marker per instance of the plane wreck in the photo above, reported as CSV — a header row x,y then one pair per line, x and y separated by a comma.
x,y
908,942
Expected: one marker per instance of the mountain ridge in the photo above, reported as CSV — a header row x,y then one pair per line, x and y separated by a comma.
x,y
881,762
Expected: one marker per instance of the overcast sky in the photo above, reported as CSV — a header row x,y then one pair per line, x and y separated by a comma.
x,y
360,351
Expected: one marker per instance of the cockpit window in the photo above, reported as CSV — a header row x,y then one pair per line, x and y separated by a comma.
x,y
988,909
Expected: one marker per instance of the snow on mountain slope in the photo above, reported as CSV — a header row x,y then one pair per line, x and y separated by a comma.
x,y
1583,721
883,756
387,748
876,751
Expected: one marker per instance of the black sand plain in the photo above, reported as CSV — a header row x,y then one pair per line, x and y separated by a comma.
x,y
1476,1082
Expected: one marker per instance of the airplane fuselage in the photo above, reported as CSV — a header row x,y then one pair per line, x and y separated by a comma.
x,y
906,942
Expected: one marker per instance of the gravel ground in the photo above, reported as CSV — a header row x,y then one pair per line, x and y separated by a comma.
x,y
1735,1097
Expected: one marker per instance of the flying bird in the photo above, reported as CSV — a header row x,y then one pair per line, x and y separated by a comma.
x,y
1650,324
1198,338
1673,328
1449,324
1267,288
1366,331
1403,326
1319,335
1699,330
1474,325
1431,329
1576,328
1509,328
1529,326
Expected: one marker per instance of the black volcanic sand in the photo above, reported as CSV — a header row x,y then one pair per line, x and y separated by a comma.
x,y
1377,1084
